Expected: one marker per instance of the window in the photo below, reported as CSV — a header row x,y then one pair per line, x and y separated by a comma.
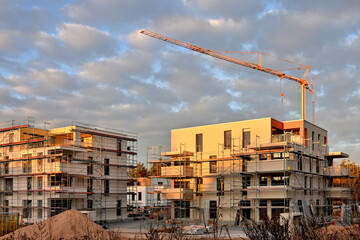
x,y
213,210
313,140
245,183
160,183
90,204
277,155
27,209
11,140
199,142
181,184
6,204
118,208
106,186
90,169
59,205
245,203
90,185
279,180
212,167
310,164
40,205
133,197
9,186
29,185
280,203
300,165
199,186
263,156
39,185
139,196
305,137
40,165
118,147
263,203
246,138
325,140
106,166
6,168
305,185
317,166
27,166
263,213
227,140
220,186
182,209
263,180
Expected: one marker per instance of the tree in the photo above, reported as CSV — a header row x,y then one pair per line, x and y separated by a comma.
x,y
354,180
139,172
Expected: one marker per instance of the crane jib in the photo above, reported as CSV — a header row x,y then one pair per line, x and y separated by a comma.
x,y
304,84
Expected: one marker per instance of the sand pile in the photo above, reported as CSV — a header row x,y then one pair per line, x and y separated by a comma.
x,y
70,224
340,232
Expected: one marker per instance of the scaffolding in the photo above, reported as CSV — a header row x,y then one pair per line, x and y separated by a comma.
x,y
248,180
46,171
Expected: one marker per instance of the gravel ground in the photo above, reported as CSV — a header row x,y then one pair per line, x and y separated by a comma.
x,y
141,226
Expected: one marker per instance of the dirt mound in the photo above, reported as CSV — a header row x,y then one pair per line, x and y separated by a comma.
x,y
70,224
340,232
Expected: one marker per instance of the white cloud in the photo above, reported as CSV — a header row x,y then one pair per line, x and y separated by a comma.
x,y
96,67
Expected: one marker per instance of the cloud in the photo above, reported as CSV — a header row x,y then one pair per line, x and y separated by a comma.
x,y
80,38
86,61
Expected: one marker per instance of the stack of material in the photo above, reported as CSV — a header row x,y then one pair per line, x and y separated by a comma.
x,y
70,224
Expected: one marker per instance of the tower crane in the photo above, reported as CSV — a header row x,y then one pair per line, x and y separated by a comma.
x,y
303,82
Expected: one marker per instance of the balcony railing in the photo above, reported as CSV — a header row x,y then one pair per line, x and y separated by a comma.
x,y
338,171
177,171
287,137
270,165
177,193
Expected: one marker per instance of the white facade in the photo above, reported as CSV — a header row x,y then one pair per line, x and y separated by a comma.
x,y
45,172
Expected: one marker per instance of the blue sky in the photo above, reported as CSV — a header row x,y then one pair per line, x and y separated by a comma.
x,y
86,61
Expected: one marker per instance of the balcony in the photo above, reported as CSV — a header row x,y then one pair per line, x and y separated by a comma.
x,y
338,171
290,138
338,192
177,171
269,192
177,193
270,165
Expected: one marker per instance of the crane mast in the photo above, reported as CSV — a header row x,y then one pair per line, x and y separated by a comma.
x,y
304,84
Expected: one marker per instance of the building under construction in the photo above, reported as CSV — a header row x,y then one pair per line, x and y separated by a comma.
x,y
251,170
45,171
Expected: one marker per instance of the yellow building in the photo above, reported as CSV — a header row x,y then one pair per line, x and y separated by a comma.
x,y
247,170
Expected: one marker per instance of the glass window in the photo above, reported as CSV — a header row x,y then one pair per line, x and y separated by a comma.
x,y
118,208
213,167
227,140
246,138
279,180
220,186
182,209
106,166
263,180
199,142
213,210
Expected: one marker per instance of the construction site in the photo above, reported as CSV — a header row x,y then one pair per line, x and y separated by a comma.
x,y
254,169
227,173
260,168
46,171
